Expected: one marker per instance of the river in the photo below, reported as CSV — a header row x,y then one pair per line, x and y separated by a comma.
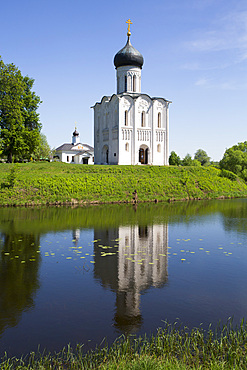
x,y
79,275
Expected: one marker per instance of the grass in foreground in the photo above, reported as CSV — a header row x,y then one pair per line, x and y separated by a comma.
x,y
51,183
170,348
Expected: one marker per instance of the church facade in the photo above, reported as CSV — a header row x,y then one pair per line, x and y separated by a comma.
x,y
131,127
75,152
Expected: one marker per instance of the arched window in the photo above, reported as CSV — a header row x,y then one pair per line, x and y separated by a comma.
x,y
134,83
159,119
127,147
143,123
118,85
126,118
158,148
125,83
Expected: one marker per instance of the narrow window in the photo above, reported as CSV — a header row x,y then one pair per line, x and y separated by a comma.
x,y
158,148
73,159
143,119
126,118
125,83
134,83
67,158
127,147
159,119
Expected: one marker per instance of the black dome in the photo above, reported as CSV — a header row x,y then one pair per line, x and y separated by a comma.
x,y
128,56
75,133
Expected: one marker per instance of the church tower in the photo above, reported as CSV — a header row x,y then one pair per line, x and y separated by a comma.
x,y
75,137
128,62
131,127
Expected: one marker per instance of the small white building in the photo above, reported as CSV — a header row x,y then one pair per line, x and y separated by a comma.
x,y
75,152
131,127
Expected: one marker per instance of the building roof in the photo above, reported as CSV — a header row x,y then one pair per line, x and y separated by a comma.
x,y
70,147
128,56
133,96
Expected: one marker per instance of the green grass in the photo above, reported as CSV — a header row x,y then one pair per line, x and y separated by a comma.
x,y
170,348
51,183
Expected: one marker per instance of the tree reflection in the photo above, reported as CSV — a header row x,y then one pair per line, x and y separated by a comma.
x,y
235,218
19,264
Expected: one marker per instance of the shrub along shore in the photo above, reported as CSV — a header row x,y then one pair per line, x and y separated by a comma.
x,y
170,348
43,183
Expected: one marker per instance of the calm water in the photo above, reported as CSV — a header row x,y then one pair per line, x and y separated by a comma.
x,y
79,275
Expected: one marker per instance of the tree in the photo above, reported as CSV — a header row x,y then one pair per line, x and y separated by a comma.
x,y
19,120
202,157
235,160
43,150
174,159
187,161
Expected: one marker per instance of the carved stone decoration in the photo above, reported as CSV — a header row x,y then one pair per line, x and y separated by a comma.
x,y
143,106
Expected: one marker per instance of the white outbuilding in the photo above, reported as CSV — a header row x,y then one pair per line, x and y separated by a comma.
x,y
75,152
131,127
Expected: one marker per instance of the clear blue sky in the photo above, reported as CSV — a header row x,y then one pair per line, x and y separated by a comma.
x,y
195,54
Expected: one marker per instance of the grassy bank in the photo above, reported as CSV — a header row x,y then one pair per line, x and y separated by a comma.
x,y
170,348
43,183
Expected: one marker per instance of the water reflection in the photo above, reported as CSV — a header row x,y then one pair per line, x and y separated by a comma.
x,y
136,259
124,250
19,265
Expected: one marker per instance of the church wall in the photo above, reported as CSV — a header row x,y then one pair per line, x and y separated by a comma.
x,y
97,134
126,120
106,131
159,137
113,109
65,155
129,72
143,127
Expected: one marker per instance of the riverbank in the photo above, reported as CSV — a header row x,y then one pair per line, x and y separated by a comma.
x,y
170,348
43,183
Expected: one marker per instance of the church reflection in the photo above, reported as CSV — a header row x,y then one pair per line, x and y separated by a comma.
x,y
138,262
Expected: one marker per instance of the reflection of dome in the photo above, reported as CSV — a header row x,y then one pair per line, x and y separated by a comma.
x,y
128,324
128,56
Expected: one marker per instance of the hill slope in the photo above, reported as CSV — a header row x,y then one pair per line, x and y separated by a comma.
x,y
43,183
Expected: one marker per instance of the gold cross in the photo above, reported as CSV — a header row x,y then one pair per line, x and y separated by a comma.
x,y
129,23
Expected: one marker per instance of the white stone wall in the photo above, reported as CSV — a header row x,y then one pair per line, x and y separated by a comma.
x,y
129,72
120,129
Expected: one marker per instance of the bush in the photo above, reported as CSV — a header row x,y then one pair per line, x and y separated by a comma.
x,y
228,174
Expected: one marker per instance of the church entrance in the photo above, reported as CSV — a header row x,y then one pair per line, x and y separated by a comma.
x,y
143,155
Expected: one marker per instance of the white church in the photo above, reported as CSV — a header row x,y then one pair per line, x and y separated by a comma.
x,y
75,151
131,127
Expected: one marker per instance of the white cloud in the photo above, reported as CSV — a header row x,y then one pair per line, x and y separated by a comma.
x,y
220,85
226,33
202,82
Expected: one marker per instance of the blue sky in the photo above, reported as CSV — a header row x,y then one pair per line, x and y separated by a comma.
x,y
195,54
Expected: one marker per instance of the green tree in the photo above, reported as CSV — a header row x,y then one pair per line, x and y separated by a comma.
x,y
235,160
196,163
42,150
174,159
19,120
187,160
202,157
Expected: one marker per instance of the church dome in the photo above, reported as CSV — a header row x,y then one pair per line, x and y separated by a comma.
x,y
75,133
128,56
